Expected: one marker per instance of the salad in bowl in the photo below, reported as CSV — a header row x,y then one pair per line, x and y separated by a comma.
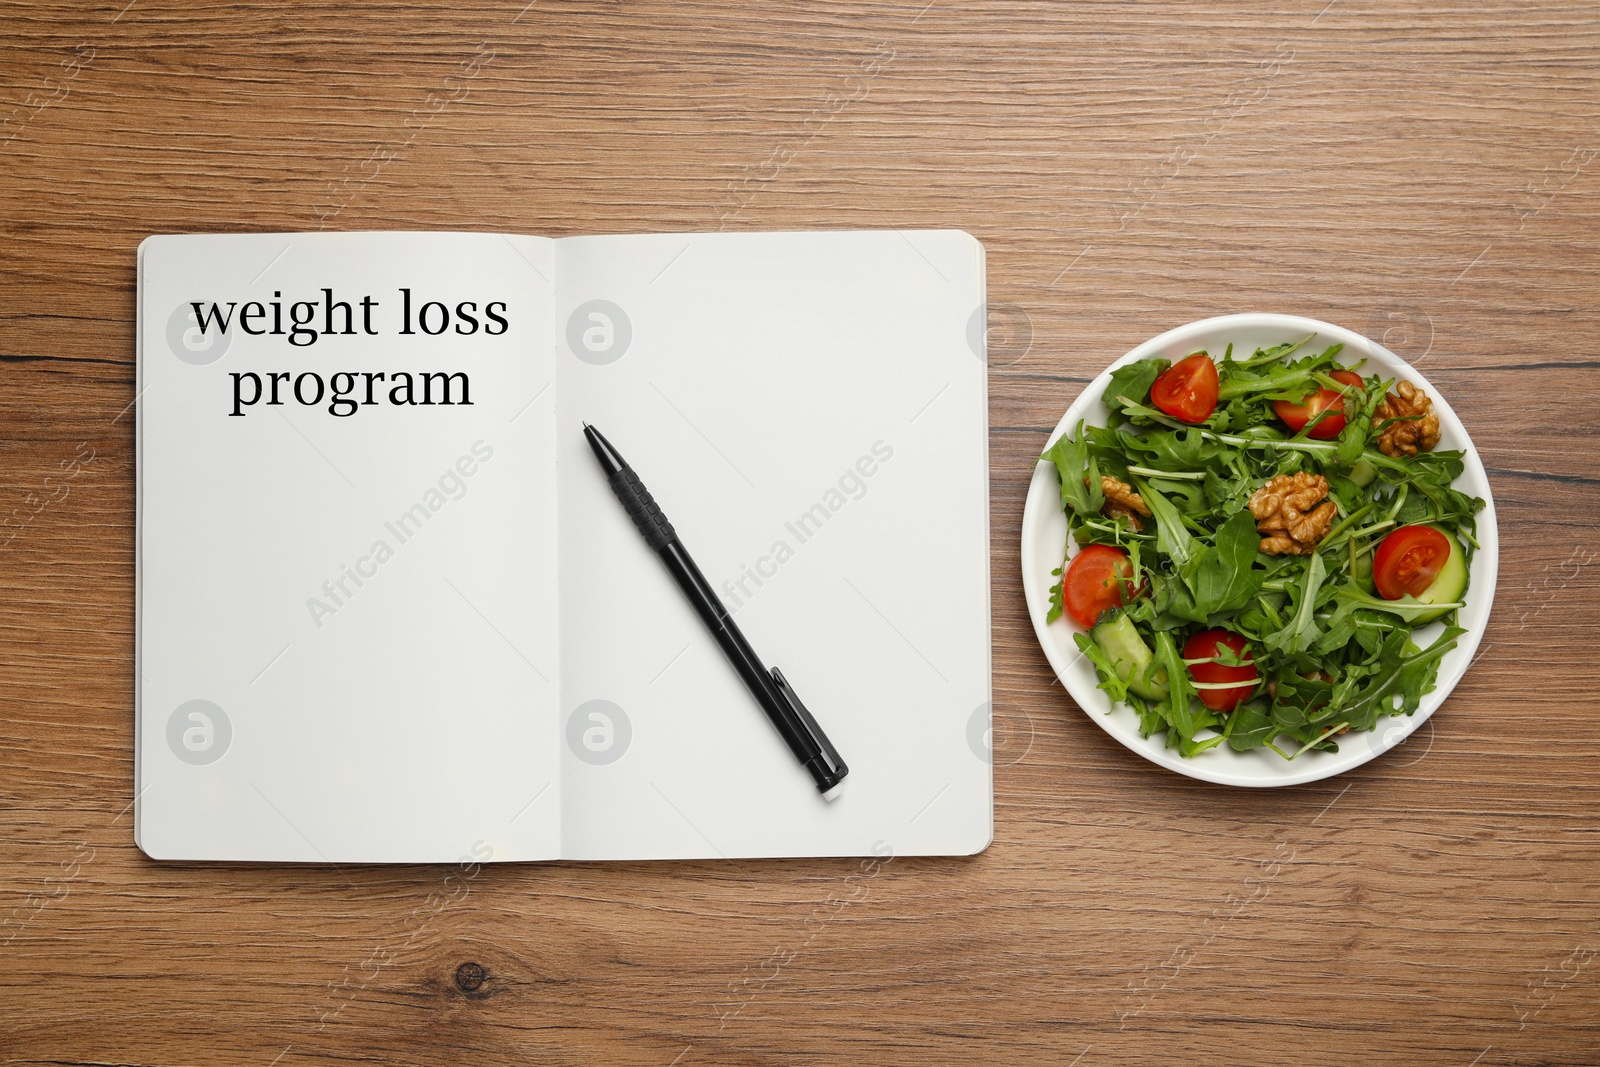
x,y
1267,548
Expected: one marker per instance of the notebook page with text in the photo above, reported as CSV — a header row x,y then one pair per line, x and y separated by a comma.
x,y
809,411
347,643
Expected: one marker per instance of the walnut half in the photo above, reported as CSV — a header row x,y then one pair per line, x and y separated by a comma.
x,y
1417,428
1288,515
1122,500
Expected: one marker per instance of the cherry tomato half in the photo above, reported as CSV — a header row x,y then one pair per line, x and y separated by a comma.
x,y
1187,390
1408,561
1329,400
1097,579
1204,645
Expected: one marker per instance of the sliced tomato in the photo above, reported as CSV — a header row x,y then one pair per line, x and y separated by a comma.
x,y
1329,400
1204,645
1187,390
1408,561
1098,579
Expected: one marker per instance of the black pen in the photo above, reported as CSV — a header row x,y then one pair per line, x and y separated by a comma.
x,y
776,697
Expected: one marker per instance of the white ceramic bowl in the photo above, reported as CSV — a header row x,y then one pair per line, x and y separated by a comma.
x,y
1044,528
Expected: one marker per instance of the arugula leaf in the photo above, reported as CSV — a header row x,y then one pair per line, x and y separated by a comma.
x,y
1057,592
1288,383
1222,577
1407,608
1186,451
1301,630
1353,438
1132,381
1185,716
1115,687
1079,474
1172,537
1250,727
1404,672
1420,670
1339,628
1276,353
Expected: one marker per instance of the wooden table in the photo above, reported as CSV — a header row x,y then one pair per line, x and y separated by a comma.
x,y
1423,172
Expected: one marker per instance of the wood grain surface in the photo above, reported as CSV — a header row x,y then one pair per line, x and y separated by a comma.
x,y
1422,172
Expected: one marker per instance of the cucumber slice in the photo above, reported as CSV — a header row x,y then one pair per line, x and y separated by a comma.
x,y
1120,641
1448,584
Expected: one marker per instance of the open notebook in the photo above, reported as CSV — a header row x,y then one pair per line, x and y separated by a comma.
x,y
390,611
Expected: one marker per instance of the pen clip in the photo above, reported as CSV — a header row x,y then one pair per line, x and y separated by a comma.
x,y
835,763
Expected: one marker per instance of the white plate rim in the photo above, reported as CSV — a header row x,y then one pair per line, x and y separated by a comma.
x,y
1042,516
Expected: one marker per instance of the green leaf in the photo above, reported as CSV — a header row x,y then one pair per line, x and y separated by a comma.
x,y
1133,381
1172,537
1340,627
1406,607
1186,450
1293,382
1421,669
1301,631
1250,727
1114,686
1403,671
1223,577
1079,474
1353,438
1056,593
1186,716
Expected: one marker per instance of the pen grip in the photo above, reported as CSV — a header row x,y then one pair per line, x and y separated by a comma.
x,y
641,507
